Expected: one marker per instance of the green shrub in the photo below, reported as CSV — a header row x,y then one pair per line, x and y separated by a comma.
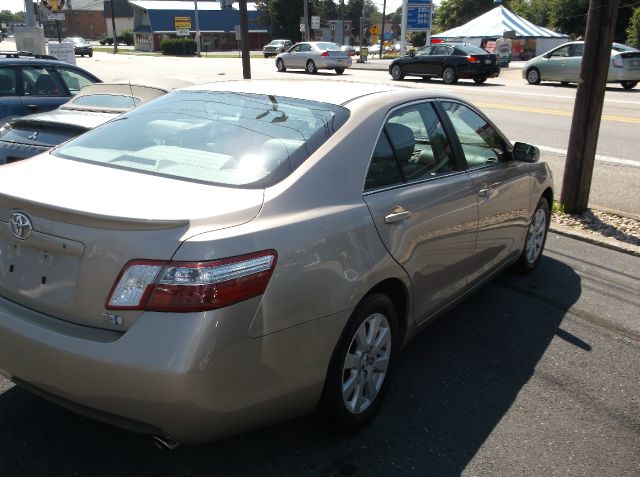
x,y
126,37
178,46
633,30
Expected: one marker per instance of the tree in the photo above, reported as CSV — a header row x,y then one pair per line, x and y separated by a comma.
x,y
283,16
633,30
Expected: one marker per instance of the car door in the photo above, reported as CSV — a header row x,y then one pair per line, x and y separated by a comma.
x,y
553,67
42,89
435,61
299,55
418,64
423,205
10,102
501,185
571,71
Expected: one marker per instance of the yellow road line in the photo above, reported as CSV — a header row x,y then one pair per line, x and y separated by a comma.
x,y
555,112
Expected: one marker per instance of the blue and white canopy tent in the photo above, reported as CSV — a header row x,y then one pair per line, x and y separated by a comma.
x,y
495,23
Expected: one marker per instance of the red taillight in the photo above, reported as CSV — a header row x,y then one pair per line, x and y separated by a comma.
x,y
325,53
473,59
617,62
191,286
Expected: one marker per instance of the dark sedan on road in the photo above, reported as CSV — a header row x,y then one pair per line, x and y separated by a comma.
x,y
450,62
80,46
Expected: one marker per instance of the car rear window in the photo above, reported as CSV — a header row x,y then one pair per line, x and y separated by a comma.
x,y
222,138
328,46
106,101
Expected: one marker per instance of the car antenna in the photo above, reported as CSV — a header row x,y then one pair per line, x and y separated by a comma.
x,y
133,100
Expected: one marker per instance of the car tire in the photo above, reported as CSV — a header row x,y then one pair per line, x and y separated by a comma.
x,y
280,65
339,71
533,76
265,55
629,84
311,67
397,73
91,55
426,78
536,237
479,79
359,372
449,75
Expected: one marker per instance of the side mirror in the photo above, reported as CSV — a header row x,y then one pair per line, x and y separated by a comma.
x,y
412,53
525,152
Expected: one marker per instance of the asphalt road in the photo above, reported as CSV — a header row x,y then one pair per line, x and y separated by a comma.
x,y
538,115
536,376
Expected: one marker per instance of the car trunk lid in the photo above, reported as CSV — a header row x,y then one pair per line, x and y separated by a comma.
x,y
64,241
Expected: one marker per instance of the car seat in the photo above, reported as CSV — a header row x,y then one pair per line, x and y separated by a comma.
x,y
45,86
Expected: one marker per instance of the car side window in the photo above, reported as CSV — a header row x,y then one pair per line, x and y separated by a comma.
x,y
438,50
7,81
576,50
423,51
75,80
481,144
418,144
383,169
41,82
561,52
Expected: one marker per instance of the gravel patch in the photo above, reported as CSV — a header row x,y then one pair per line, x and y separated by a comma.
x,y
606,224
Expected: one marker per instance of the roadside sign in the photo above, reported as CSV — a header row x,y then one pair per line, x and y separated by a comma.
x,y
63,51
183,32
238,32
374,30
182,23
55,16
418,18
315,23
302,27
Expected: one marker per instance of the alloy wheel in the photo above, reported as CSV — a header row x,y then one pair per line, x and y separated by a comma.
x,y
536,235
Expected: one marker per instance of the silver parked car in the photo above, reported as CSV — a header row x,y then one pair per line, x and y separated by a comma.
x,y
312,56
234,254
563,64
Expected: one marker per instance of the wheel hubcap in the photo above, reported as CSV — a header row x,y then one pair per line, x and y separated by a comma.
x,y
366,364
535,235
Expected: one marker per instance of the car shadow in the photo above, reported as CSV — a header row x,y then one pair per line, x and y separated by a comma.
x,y
574,86
452,386
461,82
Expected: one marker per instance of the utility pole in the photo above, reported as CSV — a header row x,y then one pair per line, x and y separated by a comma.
x,y
30,19
362,25
384,9
113,27
306,20
198,48
244,40
587,111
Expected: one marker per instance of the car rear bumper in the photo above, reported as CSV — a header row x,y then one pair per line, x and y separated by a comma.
x,y
83,50
330,63
191,377
12,152
472,71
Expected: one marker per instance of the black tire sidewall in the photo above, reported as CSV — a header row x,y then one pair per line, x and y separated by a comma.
x,y
332,402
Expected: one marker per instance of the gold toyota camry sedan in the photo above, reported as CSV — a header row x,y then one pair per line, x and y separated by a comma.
x,y
240,253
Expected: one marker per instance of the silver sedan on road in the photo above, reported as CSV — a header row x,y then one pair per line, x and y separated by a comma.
x,y
240,253
564,62
312,56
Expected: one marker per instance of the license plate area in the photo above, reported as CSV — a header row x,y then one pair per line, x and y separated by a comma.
x,y
487,61
42,268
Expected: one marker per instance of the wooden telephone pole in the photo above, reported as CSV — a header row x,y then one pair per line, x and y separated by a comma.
x,y
587,111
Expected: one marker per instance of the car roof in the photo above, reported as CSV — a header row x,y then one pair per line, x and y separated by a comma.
x,y
334,92
16,59
143,93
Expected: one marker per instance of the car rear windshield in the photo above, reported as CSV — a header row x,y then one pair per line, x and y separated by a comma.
x,y
328,46
222,138
471,49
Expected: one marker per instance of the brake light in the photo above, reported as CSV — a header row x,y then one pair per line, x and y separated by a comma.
x,y
325,53
617,61
472,59
191,286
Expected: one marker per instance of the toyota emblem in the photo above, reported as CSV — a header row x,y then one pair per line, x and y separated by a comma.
x,y
20,225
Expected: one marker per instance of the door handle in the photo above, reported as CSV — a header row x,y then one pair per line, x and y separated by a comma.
x,y
397,215
33,107
484,193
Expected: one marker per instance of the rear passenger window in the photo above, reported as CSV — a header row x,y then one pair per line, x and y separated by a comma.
x,y
412,147
75,80
41,82
7,82
480,142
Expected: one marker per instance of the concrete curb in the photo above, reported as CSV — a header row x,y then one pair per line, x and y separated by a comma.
x,y
596,239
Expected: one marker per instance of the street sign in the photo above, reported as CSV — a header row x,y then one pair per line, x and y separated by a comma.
x,y
183,32
302,27
55,16
315,23
63,51
418,18
238,31
182,23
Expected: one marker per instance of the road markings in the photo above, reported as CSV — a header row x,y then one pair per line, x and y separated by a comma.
x,y
613,160
555,112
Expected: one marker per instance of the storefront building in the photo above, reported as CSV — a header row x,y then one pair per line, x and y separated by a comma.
x,y
154,20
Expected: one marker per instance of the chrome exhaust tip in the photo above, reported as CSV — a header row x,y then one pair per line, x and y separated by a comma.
x,y
164,443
